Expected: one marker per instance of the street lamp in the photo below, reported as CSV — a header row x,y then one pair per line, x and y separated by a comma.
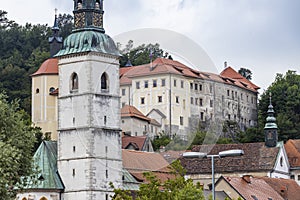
x,y
222,154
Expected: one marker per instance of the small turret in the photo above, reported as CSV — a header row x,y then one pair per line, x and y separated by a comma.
x,y
271,136
55,41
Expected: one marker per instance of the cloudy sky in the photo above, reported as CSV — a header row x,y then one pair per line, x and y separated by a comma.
x,y
262,35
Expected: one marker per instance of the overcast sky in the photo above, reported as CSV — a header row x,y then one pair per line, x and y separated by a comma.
x,y
262,35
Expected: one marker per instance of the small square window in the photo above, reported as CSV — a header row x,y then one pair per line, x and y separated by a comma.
x,y
146,84
137,85
159,99
154,83
123,92
142,100
163,82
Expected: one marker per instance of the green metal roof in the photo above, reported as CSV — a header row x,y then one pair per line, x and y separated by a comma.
x,y
88,41
271,120
129,182
45,158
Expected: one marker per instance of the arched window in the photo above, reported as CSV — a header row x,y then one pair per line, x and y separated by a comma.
x,y
37,90
104,82
74,81
43,198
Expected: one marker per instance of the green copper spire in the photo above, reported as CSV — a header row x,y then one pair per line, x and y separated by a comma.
x,y
88,34
270,129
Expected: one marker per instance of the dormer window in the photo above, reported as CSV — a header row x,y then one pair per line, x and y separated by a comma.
x,y
74,82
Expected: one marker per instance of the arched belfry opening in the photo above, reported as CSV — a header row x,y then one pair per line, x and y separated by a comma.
x,y
74,82
104,82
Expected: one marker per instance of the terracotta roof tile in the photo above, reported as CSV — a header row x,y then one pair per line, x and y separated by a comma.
x,y
257,157
287,188
50,66
131,111
139,141
167,66
256,188
171,155
292,148
138,161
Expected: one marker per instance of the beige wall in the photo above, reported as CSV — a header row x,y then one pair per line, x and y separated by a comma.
x,y
224,186
44,105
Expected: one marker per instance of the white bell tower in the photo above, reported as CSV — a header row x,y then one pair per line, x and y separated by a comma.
x,y
89,141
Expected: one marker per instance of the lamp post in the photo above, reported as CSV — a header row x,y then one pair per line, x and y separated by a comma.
x,y
222,154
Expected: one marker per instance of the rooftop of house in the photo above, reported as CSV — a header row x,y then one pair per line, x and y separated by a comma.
x,y
257,157
131,111
136,141
48,67
171,155
292,148
287,188
167,66
251,188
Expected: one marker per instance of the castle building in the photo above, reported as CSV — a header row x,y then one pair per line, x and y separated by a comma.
x,y
181,98
89,142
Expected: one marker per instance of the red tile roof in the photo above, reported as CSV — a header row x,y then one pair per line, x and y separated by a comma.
x,y
287,188
292,148
167,66
138,161
131,111
255,188
257,157
137,141
50,66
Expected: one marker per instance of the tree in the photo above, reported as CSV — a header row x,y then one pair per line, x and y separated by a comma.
x,y
4,22
177,188
245,73
285,92
140,55
16,144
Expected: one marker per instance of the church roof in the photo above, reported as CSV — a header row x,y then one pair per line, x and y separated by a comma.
x,y
88,41
257,157
49,67
45,158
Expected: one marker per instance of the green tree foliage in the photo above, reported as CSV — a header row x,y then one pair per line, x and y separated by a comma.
x,y
177,188
245,73
16,144
139,55
161,141
285,91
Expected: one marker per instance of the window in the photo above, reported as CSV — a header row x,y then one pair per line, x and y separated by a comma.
x,y
201,102
298,177
228,93
74,82
123,92
181,120
142,100
43,198
105,120
74,149
106,173
196,101
163,82
228,116
37,90
202,116
48,135
182,84
191,86
211,102
241,96
52,89
293,177
200,87
146,84
232,94
73,172
210,88
177,99
104,82
192,100
159,99
123,104
154,83
196,86
175,82
137,85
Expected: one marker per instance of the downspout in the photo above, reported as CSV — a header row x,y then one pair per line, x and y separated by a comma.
x,y
170,106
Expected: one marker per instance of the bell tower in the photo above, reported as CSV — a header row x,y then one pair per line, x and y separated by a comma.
x,y
89,141
271,136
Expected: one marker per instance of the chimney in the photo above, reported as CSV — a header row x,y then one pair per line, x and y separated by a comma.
x,y
225,64
247,178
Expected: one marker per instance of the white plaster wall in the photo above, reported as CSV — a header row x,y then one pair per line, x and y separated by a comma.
x,y
39,195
